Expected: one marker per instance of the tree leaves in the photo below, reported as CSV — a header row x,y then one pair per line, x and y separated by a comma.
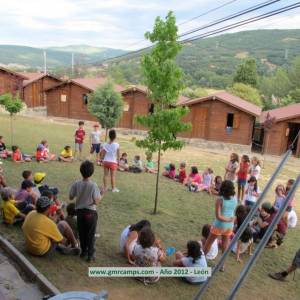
x,y
106,105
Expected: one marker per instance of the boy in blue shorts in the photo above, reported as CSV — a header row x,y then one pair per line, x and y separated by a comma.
x,y
95,141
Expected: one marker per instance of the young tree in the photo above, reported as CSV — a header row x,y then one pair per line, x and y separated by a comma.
x,y
164,81
247,73
106,105
12,105
246,92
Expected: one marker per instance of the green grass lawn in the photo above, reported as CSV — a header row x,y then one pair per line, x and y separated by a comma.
x,y
180,218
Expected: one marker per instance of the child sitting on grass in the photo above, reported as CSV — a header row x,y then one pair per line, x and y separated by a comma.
x,y
137,165
193,258
245,242
150,167
2,179
4,153
66,154
207,180
148,253
216,186
46,152
181,177
123,163
40,155
213,252
194,180
252,192
71,218
10,213
18,156
170,171
27,175
56,212
25,197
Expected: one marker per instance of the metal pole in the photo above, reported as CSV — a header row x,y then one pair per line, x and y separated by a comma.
x,y
244,225
264,240
45,62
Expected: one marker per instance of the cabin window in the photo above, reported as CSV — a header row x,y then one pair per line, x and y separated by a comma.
x,y
151,109
85,99
126,107
230,120
63,98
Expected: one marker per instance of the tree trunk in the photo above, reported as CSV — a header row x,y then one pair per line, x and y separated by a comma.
x,y
157,180
106,132
11,130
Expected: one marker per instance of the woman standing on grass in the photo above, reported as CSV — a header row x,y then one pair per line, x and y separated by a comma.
x,y
110,154
224,221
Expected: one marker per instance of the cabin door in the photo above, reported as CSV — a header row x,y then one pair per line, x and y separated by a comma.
x,y
294,129
63,105
199,122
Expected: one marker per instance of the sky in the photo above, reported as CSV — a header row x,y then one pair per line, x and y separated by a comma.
x,y
118,23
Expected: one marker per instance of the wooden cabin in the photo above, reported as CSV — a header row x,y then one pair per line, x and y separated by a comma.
x,y
33,88
284,130
221,117
11,82
136,103
69,99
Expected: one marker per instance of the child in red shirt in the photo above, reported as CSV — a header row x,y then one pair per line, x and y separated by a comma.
x,y
79,138
242,176
17,155
182,173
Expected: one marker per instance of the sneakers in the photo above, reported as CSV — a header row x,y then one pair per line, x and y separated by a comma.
x,y
115,190
91,258
277,276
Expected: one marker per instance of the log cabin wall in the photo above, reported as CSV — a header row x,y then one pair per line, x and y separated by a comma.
x,y
209,121
276,139
34,95
10,83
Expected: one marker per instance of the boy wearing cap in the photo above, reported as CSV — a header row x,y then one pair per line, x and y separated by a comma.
x,y
42,235
87,196
95,141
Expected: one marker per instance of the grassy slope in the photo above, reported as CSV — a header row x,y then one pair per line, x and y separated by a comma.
x,y
181,216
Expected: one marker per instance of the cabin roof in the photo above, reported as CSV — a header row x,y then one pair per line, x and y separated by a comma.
x,y
13,73
35,76
229,99
282,113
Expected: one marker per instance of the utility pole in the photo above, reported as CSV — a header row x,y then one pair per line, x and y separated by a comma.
x,y
45,62
286,54
72,64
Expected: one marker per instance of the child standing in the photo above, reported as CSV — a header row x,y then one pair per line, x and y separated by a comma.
x,y
252,192
181,177
279,196
193,258
232,168
242,176
224,211
79,139
66,154
255,167
87,195
207,180
95,141
110,154
123,164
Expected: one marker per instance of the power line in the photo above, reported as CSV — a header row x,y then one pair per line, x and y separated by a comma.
x,y
233,16
218,30
243,22
194,18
